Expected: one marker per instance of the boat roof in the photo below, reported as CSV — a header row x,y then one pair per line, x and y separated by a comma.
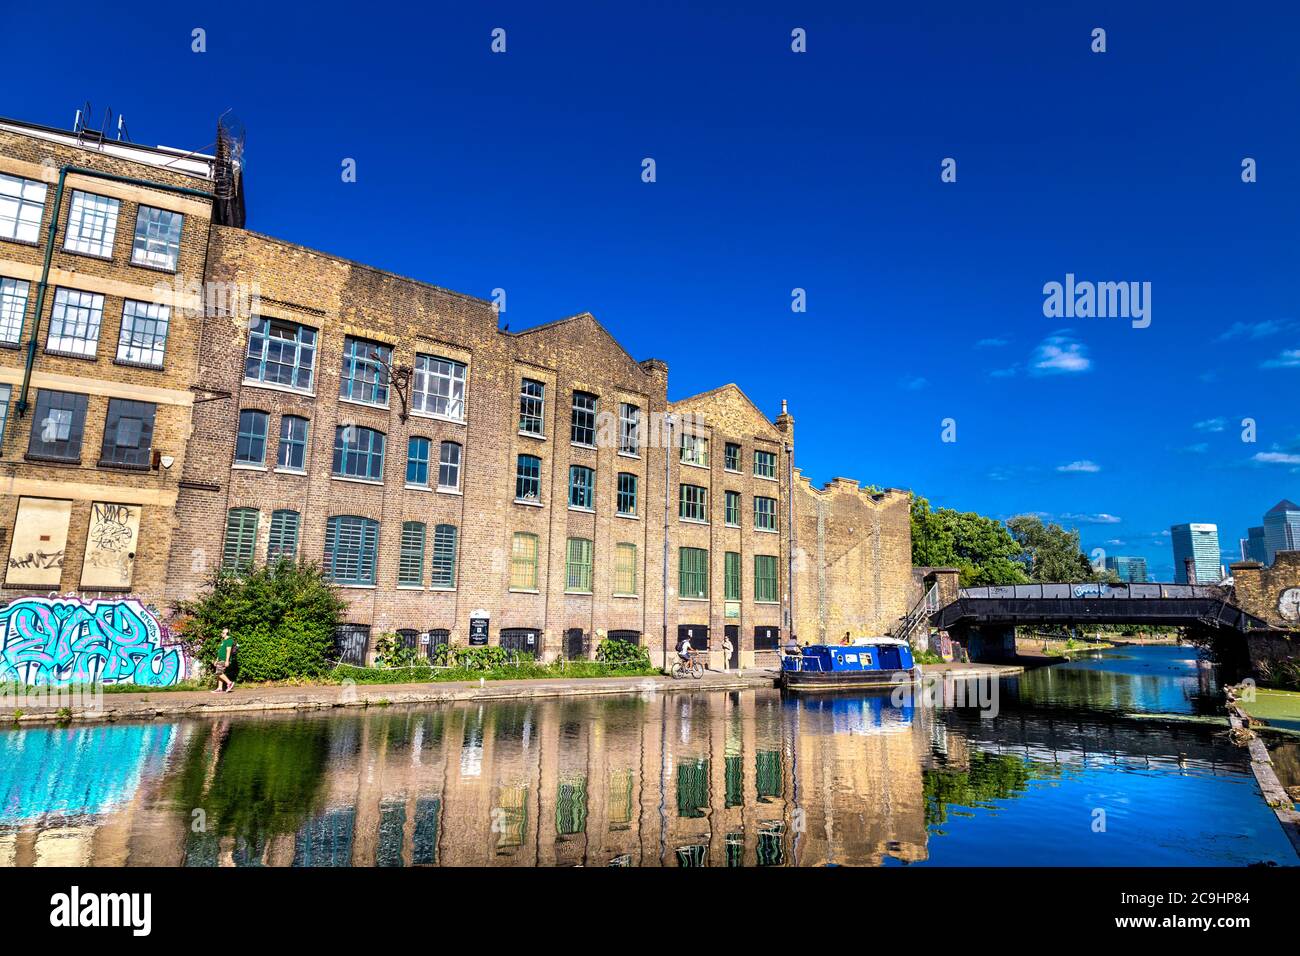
x,y
867,642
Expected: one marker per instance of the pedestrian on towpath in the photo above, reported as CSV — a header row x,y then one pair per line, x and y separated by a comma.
x,y
727,648
225,662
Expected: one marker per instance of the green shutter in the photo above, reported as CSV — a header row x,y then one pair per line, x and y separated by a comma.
x,y
578,565
731,578
410,568
444,556
765,586
283,541
241,538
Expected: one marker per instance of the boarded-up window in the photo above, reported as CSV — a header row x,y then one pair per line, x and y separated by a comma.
x,y
111,540
38,544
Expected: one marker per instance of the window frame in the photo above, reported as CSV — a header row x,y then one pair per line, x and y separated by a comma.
x,y
366,548
579,565
157,237
622,494
411,554
731,457
10,309
107,230
245,434
427,374
420,462
523,479
125,337
523,561
693,497
623,573
732,586
526,401
693,450
440,559
21,202
698,572
582,493
275,541
59,315
767,454
772,513
76,403
242,514
305,347
629,429
730,514
450,460
373,459
143,449
774,579
363,377
287,441
582,420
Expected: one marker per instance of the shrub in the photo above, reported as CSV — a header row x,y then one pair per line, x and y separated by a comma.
x,y
283,616
479,658
623,654
391,652
441,655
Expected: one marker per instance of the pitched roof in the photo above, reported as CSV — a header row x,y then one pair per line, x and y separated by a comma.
x,y
585,317
1284,505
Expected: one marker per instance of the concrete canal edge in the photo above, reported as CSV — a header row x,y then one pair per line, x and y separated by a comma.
x,y
1261,764
147,705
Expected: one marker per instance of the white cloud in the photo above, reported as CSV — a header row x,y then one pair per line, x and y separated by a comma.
x,y
913,383
1060,354
1288,359
1276,458
1211,425
1252,330
1101,518
990,343
1085,466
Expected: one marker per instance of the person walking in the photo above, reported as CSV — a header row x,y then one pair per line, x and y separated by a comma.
x,y
224,662
727,649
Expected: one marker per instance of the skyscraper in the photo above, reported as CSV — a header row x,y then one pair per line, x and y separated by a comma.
x,y
1281,529
1128,569
1200,543
1252,546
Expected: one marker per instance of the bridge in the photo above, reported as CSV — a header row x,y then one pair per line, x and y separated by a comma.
x,y
984,619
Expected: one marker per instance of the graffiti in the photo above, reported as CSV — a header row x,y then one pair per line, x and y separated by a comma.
x,y
68,641
110,528
38,559
110,545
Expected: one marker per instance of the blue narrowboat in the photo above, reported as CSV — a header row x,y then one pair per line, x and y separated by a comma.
x,y
867,662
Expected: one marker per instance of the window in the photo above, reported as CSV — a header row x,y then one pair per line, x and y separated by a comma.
x,y
22,204
764,513
695,450
583,428
74,323
57,426
358,453
417,461
693,572
449,466
92,224
410,566
250,440
292,452
629,429
351,544
532,399
13,308
582,482
283,542
731,576
528,478
439,387
732,508
577,566
625,576
157,240
627,485
144,333
693,503
523,562
731,457
444,556
365,371
241,538
765,578
765,464
280,353
6,392
128,434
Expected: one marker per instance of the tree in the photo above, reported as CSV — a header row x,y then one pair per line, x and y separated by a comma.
x,y
1053,552
282,614
981,548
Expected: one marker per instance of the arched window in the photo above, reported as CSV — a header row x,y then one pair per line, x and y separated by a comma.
x,y
449,466
241,538
283,541
444,556
351,547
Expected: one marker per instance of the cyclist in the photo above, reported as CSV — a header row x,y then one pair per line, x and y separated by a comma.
x,y
684,652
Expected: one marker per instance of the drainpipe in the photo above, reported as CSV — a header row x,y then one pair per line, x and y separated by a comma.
x,y
789,557
670,421
52,231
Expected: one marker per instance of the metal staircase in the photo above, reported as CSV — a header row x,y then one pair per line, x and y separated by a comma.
x,y
918,618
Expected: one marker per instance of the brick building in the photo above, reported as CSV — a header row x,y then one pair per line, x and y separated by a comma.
x,y
203,396
102,248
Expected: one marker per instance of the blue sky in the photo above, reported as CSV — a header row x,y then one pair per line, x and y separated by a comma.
x,y
820,171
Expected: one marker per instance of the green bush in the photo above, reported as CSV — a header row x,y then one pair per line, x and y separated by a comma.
x,y
390,652
623,654
479,658
282,615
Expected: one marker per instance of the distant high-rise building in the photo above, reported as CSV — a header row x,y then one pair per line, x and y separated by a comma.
x,y
1128,570
1200,543
1281,529
1252,546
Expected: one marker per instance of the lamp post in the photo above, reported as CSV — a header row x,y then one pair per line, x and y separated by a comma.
x,y
670,421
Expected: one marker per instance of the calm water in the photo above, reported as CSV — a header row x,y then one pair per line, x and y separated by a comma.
x,y
676,779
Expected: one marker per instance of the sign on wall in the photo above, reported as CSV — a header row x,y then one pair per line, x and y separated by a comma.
x,y
478,629
38,544
111,539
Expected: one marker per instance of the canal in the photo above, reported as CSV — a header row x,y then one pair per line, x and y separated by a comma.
x,y
1114,760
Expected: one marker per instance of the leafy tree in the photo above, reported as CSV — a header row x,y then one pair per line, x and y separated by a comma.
x,y
981,548
1053,552
282,614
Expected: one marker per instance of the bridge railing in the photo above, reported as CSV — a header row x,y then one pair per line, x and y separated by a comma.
x,y
1085,589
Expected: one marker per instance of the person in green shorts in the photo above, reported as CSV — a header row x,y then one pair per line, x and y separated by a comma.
x,y
225,660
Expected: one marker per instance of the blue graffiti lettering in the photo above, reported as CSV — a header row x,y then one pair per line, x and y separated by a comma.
x,y
66,641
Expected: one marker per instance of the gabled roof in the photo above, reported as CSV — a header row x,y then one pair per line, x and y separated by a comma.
x,y
730,389
585,318
1284,505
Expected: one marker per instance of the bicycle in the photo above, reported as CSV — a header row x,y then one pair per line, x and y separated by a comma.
x,y
684,669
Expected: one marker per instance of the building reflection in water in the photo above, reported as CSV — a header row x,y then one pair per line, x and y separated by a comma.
x,y
669,779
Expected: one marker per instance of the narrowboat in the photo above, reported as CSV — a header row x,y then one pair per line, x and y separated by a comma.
x,y
867,662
